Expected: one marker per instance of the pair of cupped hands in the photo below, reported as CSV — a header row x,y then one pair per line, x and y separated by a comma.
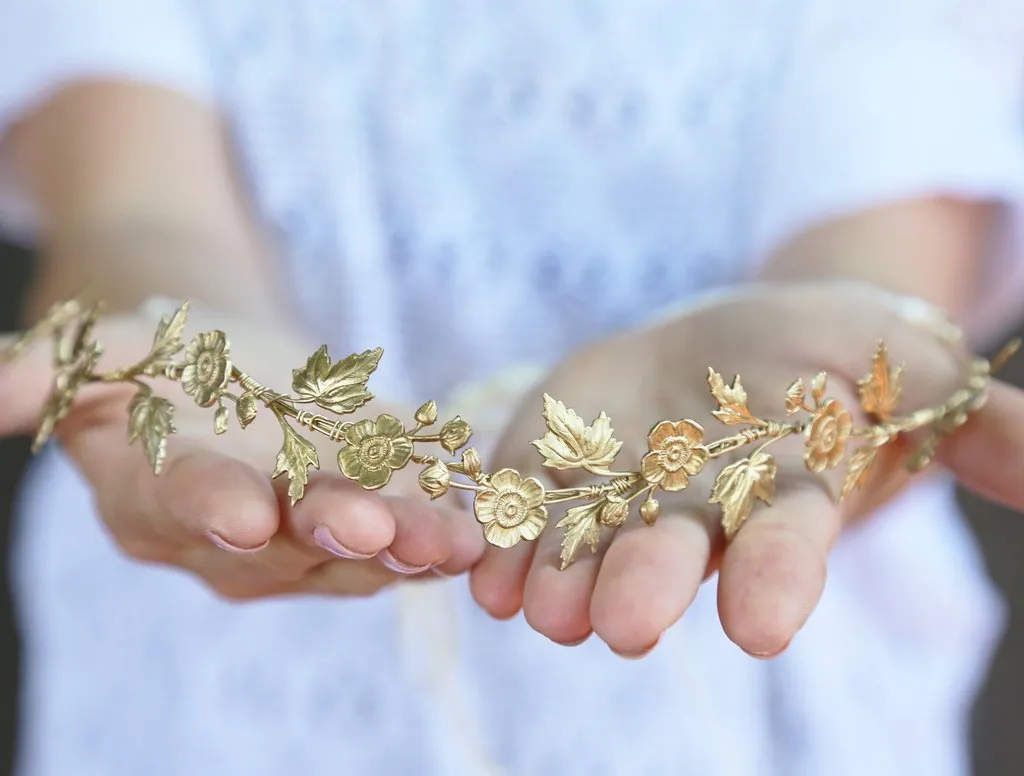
x,y
215,511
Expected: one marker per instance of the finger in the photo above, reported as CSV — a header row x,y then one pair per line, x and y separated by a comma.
x,y
556,601
773,572
199,496
498,581
467,541
337,517
987,453
422,540
649,577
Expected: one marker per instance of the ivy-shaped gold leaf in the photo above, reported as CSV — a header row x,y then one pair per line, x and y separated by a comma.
x,y
572,444
859,469
818,387
151,419
455,434
739,484
294,459
220,420
167,340
582,526
795,397
880,390
732,400
339,387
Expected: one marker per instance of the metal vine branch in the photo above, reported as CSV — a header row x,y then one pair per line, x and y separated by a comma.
x,y
509,506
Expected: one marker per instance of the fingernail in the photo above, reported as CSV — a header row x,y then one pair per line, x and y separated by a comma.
x,y
219,541
324,539
398,566
767,655
637,655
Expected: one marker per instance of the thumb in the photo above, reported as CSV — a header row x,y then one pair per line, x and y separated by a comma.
x,y
29,360
987,453
26,374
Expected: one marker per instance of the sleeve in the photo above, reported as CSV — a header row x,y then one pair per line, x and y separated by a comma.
x,y
47,44
883,101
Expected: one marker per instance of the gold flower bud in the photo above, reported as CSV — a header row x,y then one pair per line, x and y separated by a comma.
x,y
615,512
471,462
650,510
246,408
454,434
435,480
220,420
427,414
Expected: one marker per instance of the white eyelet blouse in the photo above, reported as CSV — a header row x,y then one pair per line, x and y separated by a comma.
x,y
474,185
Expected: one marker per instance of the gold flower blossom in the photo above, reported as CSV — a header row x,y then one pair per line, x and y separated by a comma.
x,y
207,367
826,436
375,449
676,454
511,508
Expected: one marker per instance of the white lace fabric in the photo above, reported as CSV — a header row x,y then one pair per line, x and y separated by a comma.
x,y
472,186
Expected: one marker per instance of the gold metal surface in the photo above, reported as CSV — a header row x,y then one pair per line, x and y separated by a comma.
x,y
509,506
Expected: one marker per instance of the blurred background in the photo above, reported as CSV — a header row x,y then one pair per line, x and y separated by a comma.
x,y
998,724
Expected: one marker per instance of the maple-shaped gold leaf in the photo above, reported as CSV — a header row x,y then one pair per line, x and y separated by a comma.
x,y
859,469
339,387
572,444
582,526
739,484
151,419
880,390
167,340
732,400
294,459
795,397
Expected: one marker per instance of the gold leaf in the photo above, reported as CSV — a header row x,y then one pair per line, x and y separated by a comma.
x,y
294,459
582,527
860,466
151,418
167,340
572,444
614,512
455,434
471,463
246,408
435,480
739,484
650,510
339,387
795,397
732,400
880,390
818,387
427,414
220,420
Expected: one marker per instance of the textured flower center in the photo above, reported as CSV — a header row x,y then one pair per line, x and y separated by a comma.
x,y
375,452
206,367
675,453
511,509
828,434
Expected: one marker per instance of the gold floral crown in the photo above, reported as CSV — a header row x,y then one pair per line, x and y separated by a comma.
x,y
510,507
